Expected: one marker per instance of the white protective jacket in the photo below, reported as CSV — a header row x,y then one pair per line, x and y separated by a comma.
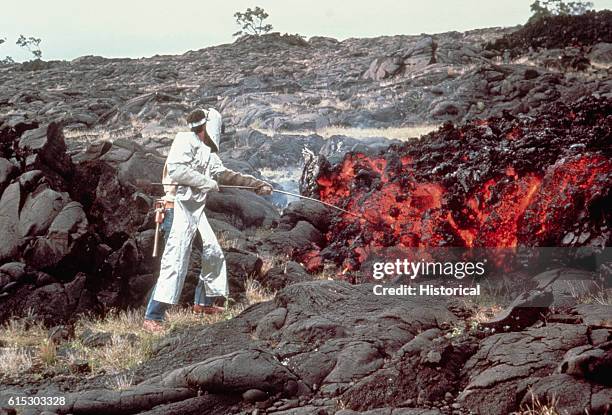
x,y
191,162
193,166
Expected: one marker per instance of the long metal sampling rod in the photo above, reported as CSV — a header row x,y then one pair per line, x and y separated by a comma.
x,y
222,186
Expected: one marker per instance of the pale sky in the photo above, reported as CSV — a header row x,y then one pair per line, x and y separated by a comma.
x,y
137,28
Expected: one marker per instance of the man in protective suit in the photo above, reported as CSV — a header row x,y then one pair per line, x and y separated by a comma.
x,y
194,169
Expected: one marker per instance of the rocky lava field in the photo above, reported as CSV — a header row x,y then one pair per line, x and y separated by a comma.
x,y
522,157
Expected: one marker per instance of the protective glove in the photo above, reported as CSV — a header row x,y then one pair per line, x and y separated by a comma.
x,y
264,189
210,186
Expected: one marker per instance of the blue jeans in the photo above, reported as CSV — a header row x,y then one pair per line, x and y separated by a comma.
x,y
157,310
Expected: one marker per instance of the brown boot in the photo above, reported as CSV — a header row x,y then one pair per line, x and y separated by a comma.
x,y
153,326
212,309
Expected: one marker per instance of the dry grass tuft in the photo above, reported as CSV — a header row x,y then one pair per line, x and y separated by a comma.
x,y
15,360
47,353
115,322
25,340
494,298
328,273
22,332
267,265
256,293
27,343
130,345
30,351
274,260
269,262
183,317
226,242
537,407
121,382
581,291
495,293
122,353
485,313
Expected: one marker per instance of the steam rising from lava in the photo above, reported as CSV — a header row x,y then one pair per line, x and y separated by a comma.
x,y
502,182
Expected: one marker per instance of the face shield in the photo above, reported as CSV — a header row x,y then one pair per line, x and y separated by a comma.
x,y
211,139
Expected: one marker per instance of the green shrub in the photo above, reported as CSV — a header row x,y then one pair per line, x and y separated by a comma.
x,y
544,8
7,60
32,44
251,22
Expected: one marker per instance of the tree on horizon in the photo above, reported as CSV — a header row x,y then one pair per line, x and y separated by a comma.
x,y
252,22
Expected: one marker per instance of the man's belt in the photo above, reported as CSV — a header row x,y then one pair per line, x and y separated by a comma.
x,y
164,204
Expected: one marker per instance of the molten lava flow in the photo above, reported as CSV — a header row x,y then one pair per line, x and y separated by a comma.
x,y
495,222
311,260
568,188
542,182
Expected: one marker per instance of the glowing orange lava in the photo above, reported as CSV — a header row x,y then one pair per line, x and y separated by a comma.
x,y
404,212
